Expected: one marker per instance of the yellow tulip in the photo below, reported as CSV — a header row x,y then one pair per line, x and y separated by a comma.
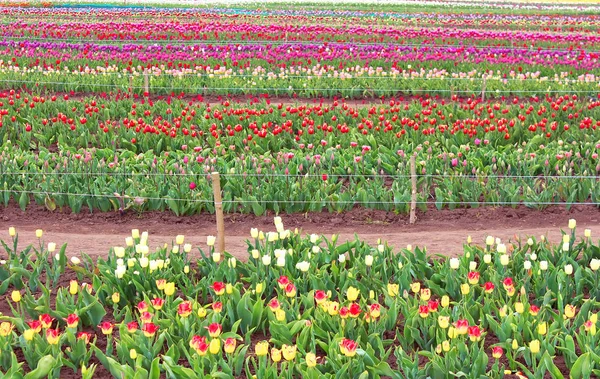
x,y
542,328
133,354
443,321
73,287
446,346
465,288
425,294
311,359
116,297
570,311
415,287
515,345
29,334
12,231
534,346
215,346
519,307
15,296
445,301
39,233
261,348
280,315
289,352
169,288
393,289
275,355
352,293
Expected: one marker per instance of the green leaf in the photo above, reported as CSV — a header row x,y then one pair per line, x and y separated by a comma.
x,y
582,366
45,365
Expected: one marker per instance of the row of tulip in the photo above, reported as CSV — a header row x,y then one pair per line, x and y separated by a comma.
x,y
296,157
303,306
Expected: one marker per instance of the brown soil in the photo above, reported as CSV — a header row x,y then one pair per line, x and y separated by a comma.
x,y
442,232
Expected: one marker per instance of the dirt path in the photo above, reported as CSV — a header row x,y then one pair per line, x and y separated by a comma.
x,y
441,232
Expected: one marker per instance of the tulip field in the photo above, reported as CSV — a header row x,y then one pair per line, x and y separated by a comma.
x,y
300,108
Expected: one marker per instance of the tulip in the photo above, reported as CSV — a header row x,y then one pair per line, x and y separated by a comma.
x,y
75,261
290,290
333,308
73,287
229,345
116,297
462,326
135,233
425,294
565,246
570,311
348,347
15,296
423,311
133,354
489,240
534,310
179,239
129,241
542,328
311,359
6,328
12,231
215,346
169,289
352,293
28,334
472,265
595,264
519,307
543,265
201,312
132,327
415,287
150,329
35,325
587,233
534,346
210,240
474,333
497,352
261,348
39,233
354,310
465,289
72,320
184,309
275,355
52,336
369,260
504,259
46,320
527,265
280,315
219,288
568,269
445,301
51,247
487,258
514,345
266,260
443,322
572,223
289,352
446,346
488,287
454,263
106,328
393,289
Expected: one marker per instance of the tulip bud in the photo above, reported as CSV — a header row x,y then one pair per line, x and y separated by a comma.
x,y
489,240
566,238
527,265
15,296
446,346
254,233
39,233
454,263
587,233
487,258
266,260
369,260
504,259
465,288
568,269
129,241
186,269
116,297
542,328
210,240
12,231
445,301
232,262
472,266
73,287
543,265
342,258
133,354
572,223
595,264
533,256
530,241
515,344
519,307
565,246
469,239
534,346
75,261
51,247
216,257
135,233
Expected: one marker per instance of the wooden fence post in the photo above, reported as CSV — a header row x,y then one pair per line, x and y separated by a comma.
x,y
216,185
413,200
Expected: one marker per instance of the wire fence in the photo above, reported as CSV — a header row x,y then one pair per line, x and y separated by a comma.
x,y
314,201
307,175
305,89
